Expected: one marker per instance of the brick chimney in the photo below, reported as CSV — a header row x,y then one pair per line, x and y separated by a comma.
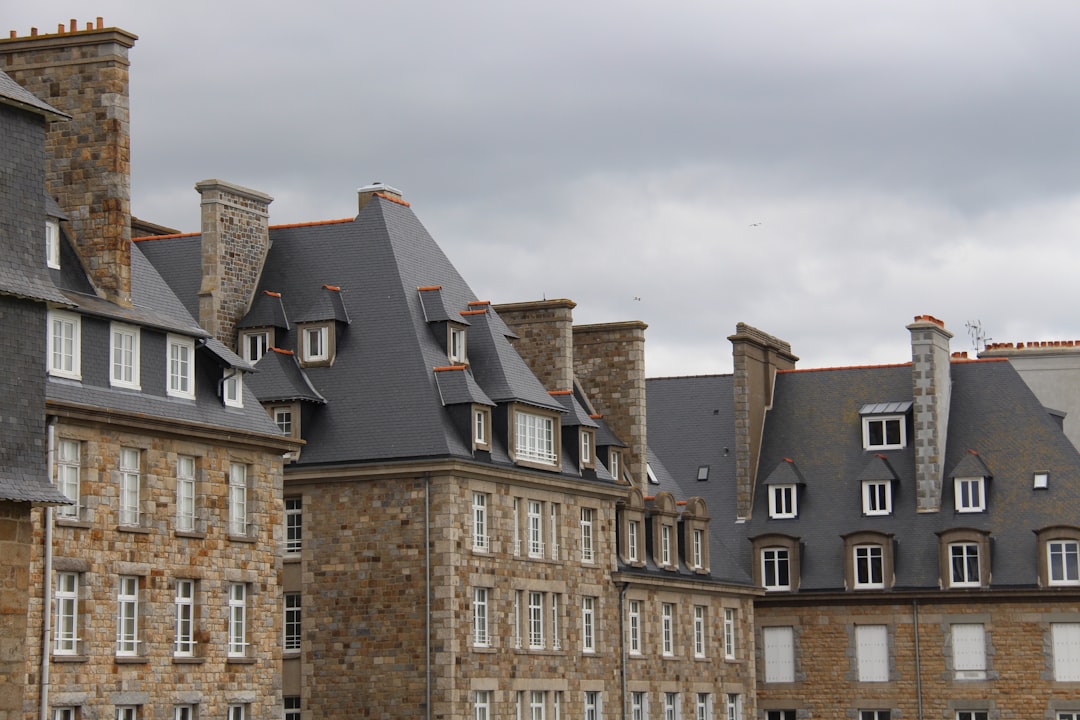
x,y
757,357
545,338
235,241
84,73
932,391
609,362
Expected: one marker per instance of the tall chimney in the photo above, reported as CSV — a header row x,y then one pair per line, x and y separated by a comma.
x,y
757,357
84,73
932,391
235,241
545,338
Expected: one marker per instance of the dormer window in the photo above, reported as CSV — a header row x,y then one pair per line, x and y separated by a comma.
x,y
254,344
969,494
124,360
232,388
316,344
888,432
52,243
877,497
613,463
455,344
535,438
481,427
587,442
181,370
64,346
782,501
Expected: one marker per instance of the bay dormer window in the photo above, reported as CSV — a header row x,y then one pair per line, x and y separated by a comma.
x,y
969,494
783,501
536,437
884,425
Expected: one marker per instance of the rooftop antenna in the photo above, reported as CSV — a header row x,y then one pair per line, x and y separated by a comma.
x,y
977,335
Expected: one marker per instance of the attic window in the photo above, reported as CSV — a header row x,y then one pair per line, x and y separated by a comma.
x,y
232,389
1041,481
52,243
316,344
703,472
651,474
254,344
455,344
884,432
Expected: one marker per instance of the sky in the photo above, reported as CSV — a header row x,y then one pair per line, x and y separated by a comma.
x,y
824,171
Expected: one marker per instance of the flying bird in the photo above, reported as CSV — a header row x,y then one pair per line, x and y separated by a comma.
x,y
755,224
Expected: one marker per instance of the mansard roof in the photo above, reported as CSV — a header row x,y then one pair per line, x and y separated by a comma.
x,y
281,379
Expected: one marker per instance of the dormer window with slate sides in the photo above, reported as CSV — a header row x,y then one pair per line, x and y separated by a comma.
x,y
884,425
481,427
783,501
970,494
535,434
255,343
588,442
232,388
64,344
316,344
877,497
455,344
52,243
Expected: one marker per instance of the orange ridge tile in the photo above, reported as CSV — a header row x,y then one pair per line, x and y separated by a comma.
x,y
428,288
474,312
392,199
560,392
164,237
311,223
282,351
444,368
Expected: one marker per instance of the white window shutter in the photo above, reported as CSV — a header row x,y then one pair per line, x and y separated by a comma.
x,y
779,654
1066,638
872,652
969,650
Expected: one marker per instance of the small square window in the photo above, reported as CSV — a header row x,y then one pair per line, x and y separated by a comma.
x,y
283,418
316,343
970,494
1041,481
877,497
884,432
253,345
782,501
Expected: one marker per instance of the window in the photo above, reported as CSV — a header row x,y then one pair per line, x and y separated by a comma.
x,y
775,569
291,705
127,616
238,620
536,621
534,519
592,705
238,513
969,494
124,362
236,711
1071,715
316,347
884,432
1066,642
292,621
869,566
294,525
534,438
780,715
181,367
872,652
1040,481
972,715
703,709
67,477
964,565
667,621
480,617
479,529
638,706
253,345
482,705
232,387
64,347
734,706
52,243
555,644
632,540
699,631
184,645
872,715
588,624
877,497
779,654
697,547
63,713
671,706
127,712
665,544
536,704
633,626
969,651
613,463
782,501
481,428
185,493
283,418
586,535
129,486
729,633
457,345
1063,556
587,448
67,614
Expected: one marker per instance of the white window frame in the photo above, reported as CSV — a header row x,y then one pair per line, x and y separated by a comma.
x,y
633,531
778,653
972,715
482,705
665,544
885,421
592,705
671,706
237,640
613,464
127,616
52,243
68,471
556,644
536,620
537,703
587,515
481,420
961,557
667,624
232,387
773,561
553,527
283,418
238,499
184,641
534,438
729,633
703,709
639,705
699,631
534,517
588,624
124,356
875,714
292,623
871,559
1065,639
184,712
185,493
66,712
633,626
180,380
969,651
130,480
64,346
456,348
254,344
1067,555
481,541
127,712
783,501
877,497
697,548
872,653
734,706
965,491
294,525
236,711
481,637
66,597
319,351
586,447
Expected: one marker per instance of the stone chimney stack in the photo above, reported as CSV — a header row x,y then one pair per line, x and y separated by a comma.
x,y
545,338
757,357
235,241
364,194
932,391
609,362
84,73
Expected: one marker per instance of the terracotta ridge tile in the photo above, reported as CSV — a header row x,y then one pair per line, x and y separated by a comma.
x,y
392,199
595,416
271,293
474,312
560,392
311,223
282,351
479,302
429,288
335,288
445,368
144,238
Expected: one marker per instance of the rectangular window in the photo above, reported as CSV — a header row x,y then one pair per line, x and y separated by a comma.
x,y
536,534
588,624
729,633
292,621
1069,715
665,544
482,705
52,245
232,388
703,709
884,433
671,706
294,525
698,548
586,448
638,708
236,712
592,705
64,345
779,654
64,713
480,617
67,614
734,706
127,616
124,362
969,651
667,620
774,569
586,535
284,420
536,621
184,645
869,566
292,707
181,367
185,493
872,715
536,705
534,438
315,343
969,494
872,652
782,503
457,345
613,463
480,427
1063,557
480,533
633,627
238,489
254,345
127,712
555,643
1066,642
877,497
964,565
67,477
632,540
238,620
699,631
130,479
972,715
780,715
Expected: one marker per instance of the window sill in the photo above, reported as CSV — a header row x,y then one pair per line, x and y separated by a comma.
x,y
242,538
71,523
292,559
70,658
241,661
484,649
137,529
188,660
289,654
130,660
194,535
540,651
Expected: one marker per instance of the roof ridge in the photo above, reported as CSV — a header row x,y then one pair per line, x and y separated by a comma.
x,y
165,237
844,367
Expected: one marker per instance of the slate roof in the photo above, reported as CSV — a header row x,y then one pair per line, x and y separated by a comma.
x,y
30,488
280,379
14,94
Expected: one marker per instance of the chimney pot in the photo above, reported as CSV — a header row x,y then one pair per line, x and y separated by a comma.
x,y
100,23
74,25
33,32
61,28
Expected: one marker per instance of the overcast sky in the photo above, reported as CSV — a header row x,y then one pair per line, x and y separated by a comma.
x,y
822,170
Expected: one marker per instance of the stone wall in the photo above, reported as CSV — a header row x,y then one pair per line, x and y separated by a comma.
x,y
544,339
16,535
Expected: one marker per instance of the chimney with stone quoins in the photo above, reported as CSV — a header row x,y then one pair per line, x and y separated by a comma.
x,y
932,391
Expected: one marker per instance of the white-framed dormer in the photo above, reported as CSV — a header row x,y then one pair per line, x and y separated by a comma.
x,y
52,243
783,501
124,359
254,343
316,344
534,436
64,344
877,497
884,432
969,494
587,443
232,387
480,424
180,370
456,348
